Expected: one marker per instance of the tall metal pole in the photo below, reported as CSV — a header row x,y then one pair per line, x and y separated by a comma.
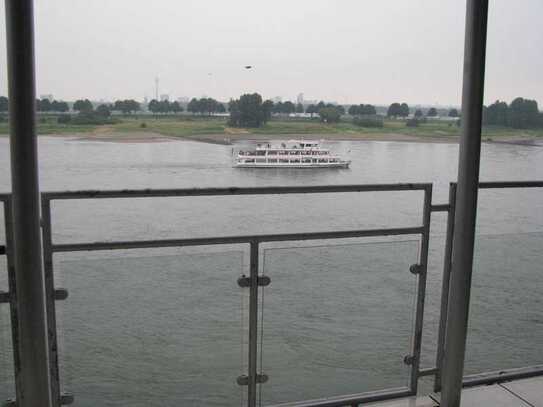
x,y
33,347
466,202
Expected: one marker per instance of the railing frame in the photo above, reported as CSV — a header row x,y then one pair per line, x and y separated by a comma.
x,y
54,294
482,378
254,241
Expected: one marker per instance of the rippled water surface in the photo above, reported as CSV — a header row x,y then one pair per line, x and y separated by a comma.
x,y
165,327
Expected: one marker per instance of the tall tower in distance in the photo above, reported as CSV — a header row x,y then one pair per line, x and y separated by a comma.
x,y
156,88
300,98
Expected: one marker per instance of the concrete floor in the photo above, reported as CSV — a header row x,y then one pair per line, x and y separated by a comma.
x,y
518,393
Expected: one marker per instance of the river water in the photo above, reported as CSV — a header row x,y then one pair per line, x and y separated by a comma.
x,y
168,327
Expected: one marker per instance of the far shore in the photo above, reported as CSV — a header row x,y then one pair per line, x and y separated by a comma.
x,y
228,139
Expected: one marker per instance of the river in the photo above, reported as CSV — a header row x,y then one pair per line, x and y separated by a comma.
x,y
168,327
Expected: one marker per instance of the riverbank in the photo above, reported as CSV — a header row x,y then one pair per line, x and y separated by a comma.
x,y
215,130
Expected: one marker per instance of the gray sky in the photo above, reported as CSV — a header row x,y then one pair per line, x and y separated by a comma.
x,y
350,51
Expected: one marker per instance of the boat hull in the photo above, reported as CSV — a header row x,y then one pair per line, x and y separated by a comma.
x,y
344,164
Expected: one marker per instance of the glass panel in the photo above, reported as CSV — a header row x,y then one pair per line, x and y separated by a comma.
x,y
152,329
337,319
506,317
7,384
137,219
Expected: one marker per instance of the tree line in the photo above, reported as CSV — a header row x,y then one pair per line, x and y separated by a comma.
x,y
164,106
520,114
205,106
250,110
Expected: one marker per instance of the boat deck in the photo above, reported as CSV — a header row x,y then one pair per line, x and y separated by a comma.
x,y
517,393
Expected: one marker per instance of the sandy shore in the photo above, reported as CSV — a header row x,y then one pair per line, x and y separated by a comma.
x,y
150,137
106,135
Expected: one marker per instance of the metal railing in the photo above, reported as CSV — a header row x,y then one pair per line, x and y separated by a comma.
x,y
490,377
253,377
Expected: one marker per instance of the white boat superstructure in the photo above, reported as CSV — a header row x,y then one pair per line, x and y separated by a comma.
x,y
292,154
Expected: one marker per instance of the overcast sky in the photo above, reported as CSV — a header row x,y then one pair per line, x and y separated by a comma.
x,y
350,51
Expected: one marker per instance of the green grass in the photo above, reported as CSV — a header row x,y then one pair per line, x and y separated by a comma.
x,y
172,127
199,126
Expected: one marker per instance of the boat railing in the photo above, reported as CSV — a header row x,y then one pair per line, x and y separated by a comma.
x,y
406,261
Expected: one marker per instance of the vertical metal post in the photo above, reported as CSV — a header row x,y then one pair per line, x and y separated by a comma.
x,y
8,221
32,323
253,325
421,290
50,300
445,287
466,202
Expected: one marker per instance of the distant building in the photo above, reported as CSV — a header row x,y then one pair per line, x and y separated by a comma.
x,y
183,99
164,97
48,97
300,98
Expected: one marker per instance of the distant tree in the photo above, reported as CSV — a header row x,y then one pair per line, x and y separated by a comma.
x,y
329,115
523,113
394,110
267,108
3,104
368,110
59,106
320,105
362,110
432,112
207,106
278,107
154,106
353,110
299,108
453,113
289,107
311,109
104,110
83,106
127,106
176,107
404,110
340,109
496,114
43,105
193,106
247,111
418,113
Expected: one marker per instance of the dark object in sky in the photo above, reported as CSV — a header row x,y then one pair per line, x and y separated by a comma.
x,y
248,66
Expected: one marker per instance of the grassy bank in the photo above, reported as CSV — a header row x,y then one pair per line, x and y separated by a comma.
x,y
194,128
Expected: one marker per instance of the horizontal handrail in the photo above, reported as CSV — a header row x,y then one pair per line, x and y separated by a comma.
x,y
271,190
206,241
143,193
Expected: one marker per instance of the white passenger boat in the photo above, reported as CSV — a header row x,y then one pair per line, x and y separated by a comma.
x,y
292,154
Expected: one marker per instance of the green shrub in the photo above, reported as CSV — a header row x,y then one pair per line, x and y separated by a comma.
x,y
412,123
329,115
65,118
93,118
143,125
368,121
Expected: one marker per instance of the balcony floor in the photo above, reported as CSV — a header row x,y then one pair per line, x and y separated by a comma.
x,y
517,393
